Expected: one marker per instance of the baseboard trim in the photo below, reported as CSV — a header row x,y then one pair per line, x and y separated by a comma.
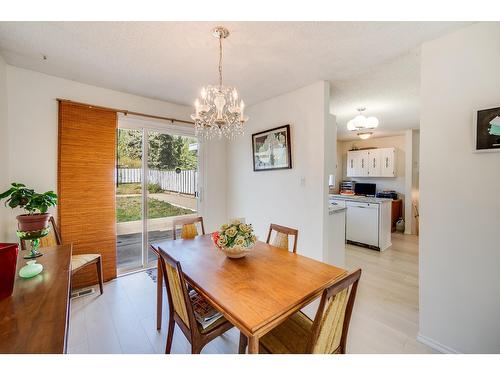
x,y
436,345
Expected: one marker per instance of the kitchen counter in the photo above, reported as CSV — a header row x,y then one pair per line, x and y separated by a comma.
x,y
358,198
332,209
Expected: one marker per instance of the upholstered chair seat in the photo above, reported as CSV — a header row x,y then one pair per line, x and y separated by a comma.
x,y
80,260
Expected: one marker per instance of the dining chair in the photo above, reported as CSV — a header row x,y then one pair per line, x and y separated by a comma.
x,y
327,334
188,231
78,261
188,227
182,305
281,237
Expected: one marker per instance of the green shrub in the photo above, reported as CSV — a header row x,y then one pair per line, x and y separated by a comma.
x,y
154,188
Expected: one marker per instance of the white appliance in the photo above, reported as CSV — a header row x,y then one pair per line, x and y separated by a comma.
x,y
362,223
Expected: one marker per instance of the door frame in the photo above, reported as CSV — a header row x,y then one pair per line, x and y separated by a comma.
x,y
167,127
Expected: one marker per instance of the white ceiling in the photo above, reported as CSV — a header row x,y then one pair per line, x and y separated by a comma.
x,y
374,64
389,91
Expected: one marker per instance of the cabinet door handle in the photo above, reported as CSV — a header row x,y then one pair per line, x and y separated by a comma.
x,y
387,162
373,162
362,163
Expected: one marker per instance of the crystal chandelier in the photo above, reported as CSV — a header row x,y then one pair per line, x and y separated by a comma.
x,y
219,111
361,123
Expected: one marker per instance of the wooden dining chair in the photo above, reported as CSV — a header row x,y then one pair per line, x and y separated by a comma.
x,y
188,227
327,334
281,237
188,231
181,306
78,261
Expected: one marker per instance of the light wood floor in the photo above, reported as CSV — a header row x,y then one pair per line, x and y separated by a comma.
x,y
385,318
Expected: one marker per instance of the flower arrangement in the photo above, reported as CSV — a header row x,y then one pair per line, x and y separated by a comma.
x,y
234,238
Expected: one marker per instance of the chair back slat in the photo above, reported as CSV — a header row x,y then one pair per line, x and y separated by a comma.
x,y
174,284
330,332
330,327
281,238
188,227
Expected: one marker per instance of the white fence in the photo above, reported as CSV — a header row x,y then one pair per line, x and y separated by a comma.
x,y
184,182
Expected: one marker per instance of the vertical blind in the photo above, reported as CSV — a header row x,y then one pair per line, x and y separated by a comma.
x,y
86,185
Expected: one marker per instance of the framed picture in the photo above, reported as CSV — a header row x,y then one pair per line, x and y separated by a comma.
x,y
272,149
487,130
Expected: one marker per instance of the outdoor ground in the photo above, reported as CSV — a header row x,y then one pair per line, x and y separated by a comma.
x,y
163,208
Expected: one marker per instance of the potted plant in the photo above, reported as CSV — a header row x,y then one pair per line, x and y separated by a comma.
x,y
36,205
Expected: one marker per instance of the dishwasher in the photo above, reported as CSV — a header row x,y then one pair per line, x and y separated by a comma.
x,y
362,223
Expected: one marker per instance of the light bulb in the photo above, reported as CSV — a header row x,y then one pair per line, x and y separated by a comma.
x,y
359,121
203,93
371,122
350,126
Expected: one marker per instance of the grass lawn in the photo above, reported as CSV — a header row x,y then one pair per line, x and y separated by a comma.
x,y
129,209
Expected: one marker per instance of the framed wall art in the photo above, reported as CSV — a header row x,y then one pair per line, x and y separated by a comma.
x,y
487,130
272,149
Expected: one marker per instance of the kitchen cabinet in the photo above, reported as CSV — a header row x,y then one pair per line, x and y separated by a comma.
x,y
387,158
373,163
378,162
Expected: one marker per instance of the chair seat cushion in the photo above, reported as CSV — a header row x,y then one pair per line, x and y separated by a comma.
x,y
80,260
290,337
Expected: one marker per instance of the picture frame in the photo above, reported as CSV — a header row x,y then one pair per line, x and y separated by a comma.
x,y
272,149
486,130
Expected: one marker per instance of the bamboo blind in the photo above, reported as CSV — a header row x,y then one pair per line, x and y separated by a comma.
x,y
86,185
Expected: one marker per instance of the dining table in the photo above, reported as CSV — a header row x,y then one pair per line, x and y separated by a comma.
x,y
255,293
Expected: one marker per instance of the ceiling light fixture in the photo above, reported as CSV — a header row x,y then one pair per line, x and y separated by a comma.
x,y
219,111
365,135
361,122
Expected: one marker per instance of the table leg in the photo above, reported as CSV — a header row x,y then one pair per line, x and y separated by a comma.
x,y
253,345
159,295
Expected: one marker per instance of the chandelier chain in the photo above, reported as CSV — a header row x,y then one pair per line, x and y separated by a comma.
x,y
220,62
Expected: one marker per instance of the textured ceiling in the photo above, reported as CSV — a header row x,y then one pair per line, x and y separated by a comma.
x,y
389,91
172,60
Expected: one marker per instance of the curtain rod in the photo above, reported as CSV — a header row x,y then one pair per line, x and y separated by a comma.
x,y
126,112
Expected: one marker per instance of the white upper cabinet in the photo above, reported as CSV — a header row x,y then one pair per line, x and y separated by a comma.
x,y
373,159
378,162
387,158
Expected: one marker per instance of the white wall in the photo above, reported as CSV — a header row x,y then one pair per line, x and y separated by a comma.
x,y
32,132
459,204
278,196
4,141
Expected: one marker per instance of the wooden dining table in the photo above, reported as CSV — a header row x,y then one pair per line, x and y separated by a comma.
x,y
255,293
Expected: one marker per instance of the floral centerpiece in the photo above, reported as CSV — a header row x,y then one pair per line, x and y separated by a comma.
x,y
235,239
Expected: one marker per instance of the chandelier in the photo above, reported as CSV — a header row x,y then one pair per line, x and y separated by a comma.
x,y
219,111
361,124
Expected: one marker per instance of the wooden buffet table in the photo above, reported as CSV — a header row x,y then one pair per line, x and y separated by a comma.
x,y
255,293
34,319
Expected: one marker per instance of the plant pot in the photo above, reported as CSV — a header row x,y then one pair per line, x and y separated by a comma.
x,y
8,260
32,223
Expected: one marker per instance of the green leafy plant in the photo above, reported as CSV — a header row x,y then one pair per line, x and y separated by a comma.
x,y
20,196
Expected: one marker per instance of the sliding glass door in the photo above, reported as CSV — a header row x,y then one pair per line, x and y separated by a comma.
x,y
157,182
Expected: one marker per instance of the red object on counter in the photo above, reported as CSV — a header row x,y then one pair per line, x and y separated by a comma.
x,y
8,260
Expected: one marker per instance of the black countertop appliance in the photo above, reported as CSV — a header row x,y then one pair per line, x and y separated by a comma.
x,y
365,189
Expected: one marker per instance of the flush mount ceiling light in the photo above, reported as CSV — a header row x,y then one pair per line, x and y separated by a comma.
x,y
219,111
361,122
365,135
